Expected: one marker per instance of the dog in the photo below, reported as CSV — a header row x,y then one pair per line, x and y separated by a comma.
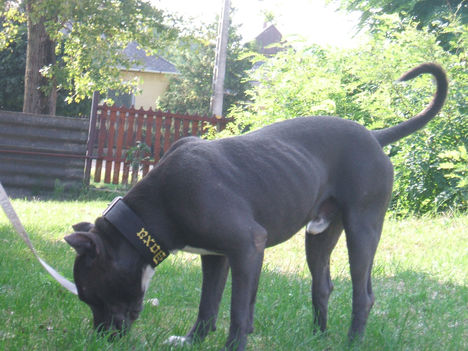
x,y
231,198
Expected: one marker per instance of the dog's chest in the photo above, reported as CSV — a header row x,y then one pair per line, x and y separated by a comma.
x,y
197,250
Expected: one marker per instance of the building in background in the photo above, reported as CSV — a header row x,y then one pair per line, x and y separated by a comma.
x,y
264,42
153,72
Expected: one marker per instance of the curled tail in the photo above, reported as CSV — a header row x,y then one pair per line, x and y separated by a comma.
x,y
389,135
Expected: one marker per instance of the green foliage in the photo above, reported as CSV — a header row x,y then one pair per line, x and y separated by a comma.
x,y
90,36
194,54
359,84
12,62
432,13
455,170
136,155
290,84
11,20
12,67
190,91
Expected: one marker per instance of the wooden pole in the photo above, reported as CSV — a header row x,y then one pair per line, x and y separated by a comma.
x,y
91,137
219,72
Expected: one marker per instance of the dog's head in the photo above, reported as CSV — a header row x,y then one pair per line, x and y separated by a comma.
x,y
110,277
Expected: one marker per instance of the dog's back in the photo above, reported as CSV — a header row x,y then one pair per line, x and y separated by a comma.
x,y
293,166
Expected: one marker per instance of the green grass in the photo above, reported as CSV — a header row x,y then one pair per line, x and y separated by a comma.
x,y
420,282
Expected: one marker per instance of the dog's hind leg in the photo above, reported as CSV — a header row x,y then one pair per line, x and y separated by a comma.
x,y
318,250
363,229
215,270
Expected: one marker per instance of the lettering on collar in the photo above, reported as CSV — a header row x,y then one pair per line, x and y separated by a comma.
x,y
158,254
133,229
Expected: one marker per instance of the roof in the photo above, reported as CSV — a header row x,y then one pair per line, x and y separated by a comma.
x,y
270,35
148,63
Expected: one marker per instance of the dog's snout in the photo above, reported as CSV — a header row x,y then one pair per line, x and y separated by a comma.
x,y
118,323
114,321
105,330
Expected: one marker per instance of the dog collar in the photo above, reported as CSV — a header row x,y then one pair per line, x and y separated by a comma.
x,y
133,229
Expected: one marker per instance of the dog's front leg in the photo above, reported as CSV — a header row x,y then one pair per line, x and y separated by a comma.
x,y
245,267
215,270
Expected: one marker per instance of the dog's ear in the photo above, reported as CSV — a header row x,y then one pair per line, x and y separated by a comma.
x,y
82,227
83,243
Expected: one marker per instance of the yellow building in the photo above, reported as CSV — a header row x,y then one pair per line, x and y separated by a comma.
x,y
153,72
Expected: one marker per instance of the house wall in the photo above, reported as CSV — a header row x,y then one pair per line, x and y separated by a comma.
x,y
152,86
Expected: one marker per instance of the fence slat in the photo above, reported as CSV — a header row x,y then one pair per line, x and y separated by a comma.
x,y
102,136
121,128
185,127
157,140
176,129
110,145
129,142
194,128
148,140
118,151
167,133
138,137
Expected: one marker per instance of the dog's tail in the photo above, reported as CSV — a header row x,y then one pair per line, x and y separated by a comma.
x,y
392,134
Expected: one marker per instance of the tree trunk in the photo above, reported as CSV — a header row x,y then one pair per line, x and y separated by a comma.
x,y
40,93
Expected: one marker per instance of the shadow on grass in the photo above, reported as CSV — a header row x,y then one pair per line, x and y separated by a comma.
x,y
413,311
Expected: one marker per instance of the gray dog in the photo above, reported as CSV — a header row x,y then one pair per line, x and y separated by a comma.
x,y
230,199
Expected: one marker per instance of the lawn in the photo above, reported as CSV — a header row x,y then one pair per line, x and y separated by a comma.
x,y
420,283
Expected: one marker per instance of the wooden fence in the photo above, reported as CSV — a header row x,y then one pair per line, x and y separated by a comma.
x,y
115,132
38,153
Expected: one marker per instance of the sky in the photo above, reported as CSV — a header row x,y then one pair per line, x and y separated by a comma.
x,y
313,20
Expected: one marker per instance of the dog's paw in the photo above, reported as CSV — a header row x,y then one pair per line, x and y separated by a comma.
x,y
177,341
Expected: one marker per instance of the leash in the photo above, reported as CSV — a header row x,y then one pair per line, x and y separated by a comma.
x,y
13,217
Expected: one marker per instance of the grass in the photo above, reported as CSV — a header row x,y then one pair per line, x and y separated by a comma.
x,y
420,282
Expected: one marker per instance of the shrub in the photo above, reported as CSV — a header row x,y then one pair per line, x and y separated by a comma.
x,y
359,84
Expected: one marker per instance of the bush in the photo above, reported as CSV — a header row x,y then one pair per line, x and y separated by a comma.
x,y
359,84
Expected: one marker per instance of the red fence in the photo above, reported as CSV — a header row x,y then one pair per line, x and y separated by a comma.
x,y
114,133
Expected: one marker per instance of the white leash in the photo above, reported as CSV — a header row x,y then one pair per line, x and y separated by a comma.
x,y
12,216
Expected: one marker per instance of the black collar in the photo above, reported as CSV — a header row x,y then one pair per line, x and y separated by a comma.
x,y
133,229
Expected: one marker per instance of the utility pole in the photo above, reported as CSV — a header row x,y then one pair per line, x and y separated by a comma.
x,y
219,71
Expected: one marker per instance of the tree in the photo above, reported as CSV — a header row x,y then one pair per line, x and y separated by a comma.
x,y
77,45
193,55
12,65
425,12
40,53
431,14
